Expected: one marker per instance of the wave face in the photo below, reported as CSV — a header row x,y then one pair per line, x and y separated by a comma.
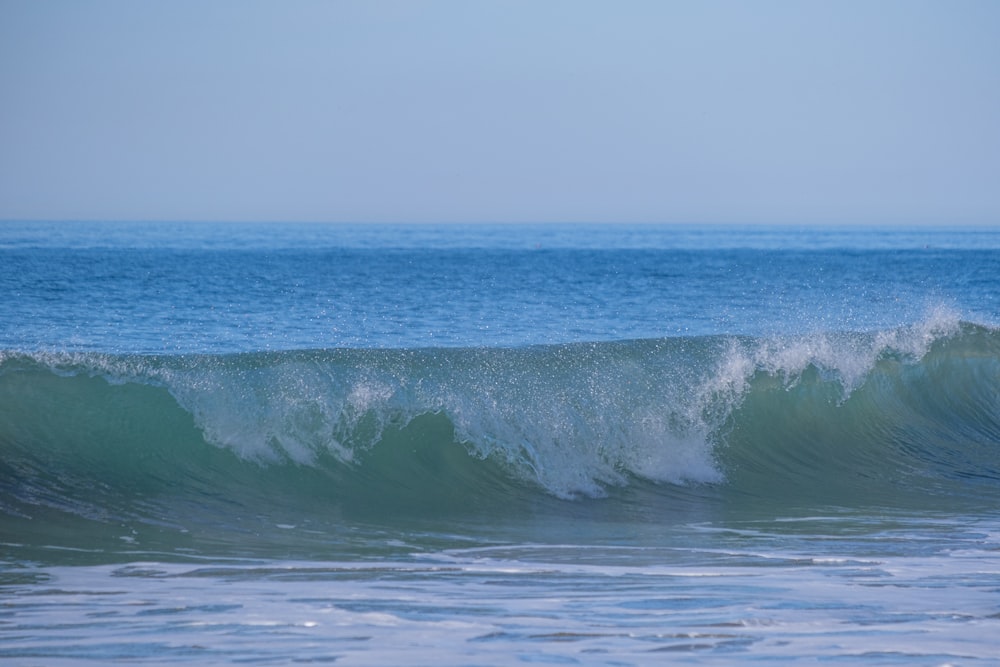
x,y
836,418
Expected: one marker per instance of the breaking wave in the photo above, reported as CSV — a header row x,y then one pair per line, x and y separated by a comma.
x,y
834,417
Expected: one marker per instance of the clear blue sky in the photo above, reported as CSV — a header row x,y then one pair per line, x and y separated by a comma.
x,y
799,111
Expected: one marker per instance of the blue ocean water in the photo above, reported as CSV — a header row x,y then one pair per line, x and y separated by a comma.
x,y
495,444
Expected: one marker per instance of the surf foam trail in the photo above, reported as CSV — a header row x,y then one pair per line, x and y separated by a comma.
x,y
842,418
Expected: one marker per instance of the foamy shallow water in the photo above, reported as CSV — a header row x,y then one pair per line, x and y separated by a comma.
x,y
534,603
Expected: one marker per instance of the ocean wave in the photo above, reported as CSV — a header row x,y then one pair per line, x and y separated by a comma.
x,y
835,417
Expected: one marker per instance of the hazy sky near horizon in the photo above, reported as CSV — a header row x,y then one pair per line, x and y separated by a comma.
x,y
825,111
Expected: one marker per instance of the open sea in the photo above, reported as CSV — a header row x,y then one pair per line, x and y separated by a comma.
x,y
275,444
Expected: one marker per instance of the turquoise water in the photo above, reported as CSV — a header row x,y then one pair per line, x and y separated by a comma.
x,y
498,444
